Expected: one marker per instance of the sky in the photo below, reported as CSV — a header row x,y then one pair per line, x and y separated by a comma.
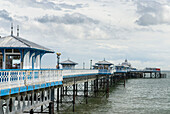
x,y
137,30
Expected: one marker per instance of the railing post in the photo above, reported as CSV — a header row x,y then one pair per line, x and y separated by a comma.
x,y
18,76
9,79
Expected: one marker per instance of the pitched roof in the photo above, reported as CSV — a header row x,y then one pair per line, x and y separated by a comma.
x,y
104,62
18,42
69,62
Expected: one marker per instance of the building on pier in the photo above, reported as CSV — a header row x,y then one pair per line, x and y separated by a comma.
x,y
124,66
19,53
68,64
103,66
152,69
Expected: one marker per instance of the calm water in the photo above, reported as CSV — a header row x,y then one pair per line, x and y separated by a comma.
x,y
140,96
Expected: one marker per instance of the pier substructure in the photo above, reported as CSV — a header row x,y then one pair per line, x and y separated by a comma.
x,y
79,89
76,90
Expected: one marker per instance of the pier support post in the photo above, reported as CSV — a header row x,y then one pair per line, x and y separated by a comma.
x,y
107,89
111,79
31,111
32,98
61,94
86,92
100,83
150,75
94,87
73,96
51,104
124,79
23,97
1,105
42,99
7,105
76,89
28,99
19,103
97,84
10,104
84,89
104,81
159,75
58,99
66,90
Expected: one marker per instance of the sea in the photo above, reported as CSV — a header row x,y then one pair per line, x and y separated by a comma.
x,y
139,96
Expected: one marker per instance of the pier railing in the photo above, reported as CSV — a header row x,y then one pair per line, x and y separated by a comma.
x,y
105,71
79,72
19,78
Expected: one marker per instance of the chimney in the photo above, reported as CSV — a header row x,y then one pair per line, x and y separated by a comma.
x,y
18,30
11,29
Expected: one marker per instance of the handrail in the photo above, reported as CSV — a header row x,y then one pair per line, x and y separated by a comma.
x,y
19,78
11,78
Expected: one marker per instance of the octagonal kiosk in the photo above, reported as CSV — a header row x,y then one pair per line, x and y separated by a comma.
x,y
19,53
68,64
104,67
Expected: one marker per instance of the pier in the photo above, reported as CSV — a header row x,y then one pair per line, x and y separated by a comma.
x,y
38,91
27,88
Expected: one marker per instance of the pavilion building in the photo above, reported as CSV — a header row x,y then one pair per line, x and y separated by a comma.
x,y
19,53
68,64
103,65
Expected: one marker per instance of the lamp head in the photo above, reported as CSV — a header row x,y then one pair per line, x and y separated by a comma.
x,y
58,54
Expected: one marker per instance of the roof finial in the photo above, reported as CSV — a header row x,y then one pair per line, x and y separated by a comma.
x,y
104,59
68,58
125,60
11,29
18,30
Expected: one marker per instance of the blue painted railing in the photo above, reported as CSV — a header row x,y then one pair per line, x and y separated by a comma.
x,y
20,80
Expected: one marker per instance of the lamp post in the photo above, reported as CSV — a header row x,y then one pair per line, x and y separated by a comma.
x,y
90,64
58,58
83,65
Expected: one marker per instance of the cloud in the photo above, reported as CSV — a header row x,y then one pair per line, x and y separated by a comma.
x,y
84,34
68,6
46,4
75,18
152,13
5,15
111,46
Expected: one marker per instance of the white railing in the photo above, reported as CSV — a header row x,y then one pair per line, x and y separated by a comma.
x,y
74,72
18,78
105,71
122,70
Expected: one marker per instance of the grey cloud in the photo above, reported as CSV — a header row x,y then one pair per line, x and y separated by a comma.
x,y
5,15
67,6
147,19
45,4
22,18
152,13
75,18
147,6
